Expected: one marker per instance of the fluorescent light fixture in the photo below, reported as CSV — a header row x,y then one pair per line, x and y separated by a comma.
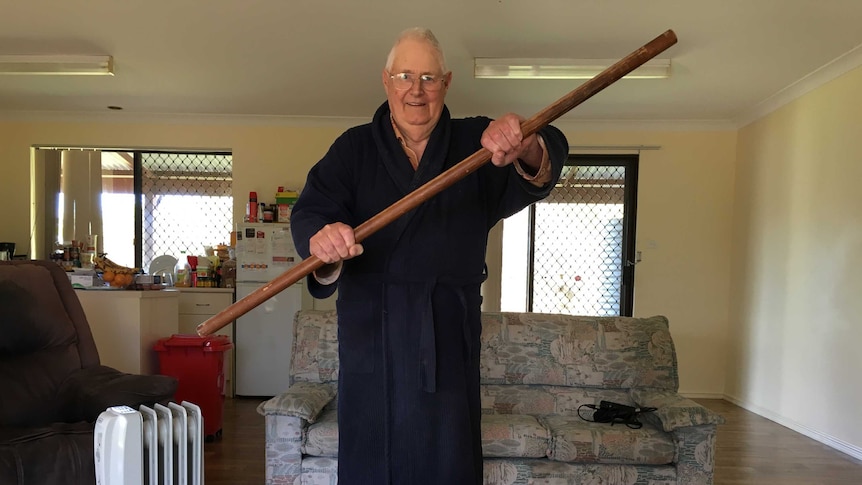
x,y
57,65
499,68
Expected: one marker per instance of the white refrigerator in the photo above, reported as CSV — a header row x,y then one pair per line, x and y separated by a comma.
x,y
263,337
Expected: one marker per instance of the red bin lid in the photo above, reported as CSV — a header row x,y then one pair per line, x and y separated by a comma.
x,y
212,343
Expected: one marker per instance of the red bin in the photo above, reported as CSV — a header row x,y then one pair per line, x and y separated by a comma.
x,y
198,364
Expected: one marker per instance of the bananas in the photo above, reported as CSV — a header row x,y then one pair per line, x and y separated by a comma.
x,y
105,265
114,274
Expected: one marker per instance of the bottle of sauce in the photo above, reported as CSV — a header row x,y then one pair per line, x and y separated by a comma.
x,y
193,273
252,208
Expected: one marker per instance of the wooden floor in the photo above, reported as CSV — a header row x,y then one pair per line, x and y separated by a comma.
x,y
751,450
237,457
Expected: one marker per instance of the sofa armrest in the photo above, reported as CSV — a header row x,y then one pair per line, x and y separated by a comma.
x,y
303,400
285,436
87,392
674,411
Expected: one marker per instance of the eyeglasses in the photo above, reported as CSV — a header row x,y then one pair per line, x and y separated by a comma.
x,y
405,80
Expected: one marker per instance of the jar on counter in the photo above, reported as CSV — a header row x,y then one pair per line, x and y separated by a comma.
x,y
268,213
205,282
228,274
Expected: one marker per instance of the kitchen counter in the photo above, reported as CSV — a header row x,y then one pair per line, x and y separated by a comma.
x,y
201,290
127,324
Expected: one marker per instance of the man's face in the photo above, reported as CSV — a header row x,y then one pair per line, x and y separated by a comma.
x,y
416,106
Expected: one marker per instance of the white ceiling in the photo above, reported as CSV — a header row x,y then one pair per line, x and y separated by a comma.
x,y
323,58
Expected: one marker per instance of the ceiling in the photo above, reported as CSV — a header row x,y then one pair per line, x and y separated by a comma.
x,y
274,59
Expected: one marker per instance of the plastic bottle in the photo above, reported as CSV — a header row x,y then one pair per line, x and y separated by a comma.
x,y
183,277
193,273
252,208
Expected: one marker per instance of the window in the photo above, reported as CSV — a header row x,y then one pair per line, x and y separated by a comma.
x,y
187,203
572,252
141,204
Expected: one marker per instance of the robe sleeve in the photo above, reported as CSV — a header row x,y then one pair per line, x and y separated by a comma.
x,y
558,150
326,198
514,191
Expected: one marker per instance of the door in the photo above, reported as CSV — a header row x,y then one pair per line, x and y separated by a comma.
x,y
574,252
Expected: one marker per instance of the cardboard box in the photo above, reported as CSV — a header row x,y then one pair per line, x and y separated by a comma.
x,y
84,281
286,197
285,201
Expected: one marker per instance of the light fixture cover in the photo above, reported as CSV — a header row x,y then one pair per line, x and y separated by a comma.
x,y
500,68
57,65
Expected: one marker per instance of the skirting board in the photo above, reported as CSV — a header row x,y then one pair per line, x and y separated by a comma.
x,y
846,448
701,395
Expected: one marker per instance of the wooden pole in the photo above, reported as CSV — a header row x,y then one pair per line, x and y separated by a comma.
x,y
445,179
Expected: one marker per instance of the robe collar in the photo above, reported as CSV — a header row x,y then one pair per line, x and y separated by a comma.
x,y
395,160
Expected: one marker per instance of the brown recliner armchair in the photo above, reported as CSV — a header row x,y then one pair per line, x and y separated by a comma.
x,y
52,387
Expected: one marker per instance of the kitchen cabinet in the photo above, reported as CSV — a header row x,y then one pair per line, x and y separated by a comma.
x,y
127,324
196,305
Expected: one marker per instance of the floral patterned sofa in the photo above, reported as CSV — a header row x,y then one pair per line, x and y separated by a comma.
x,y
537,370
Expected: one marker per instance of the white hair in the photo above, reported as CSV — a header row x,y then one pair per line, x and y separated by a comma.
x,y
417,33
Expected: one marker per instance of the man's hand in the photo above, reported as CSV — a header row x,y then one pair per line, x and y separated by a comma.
x,y
503,138
334,243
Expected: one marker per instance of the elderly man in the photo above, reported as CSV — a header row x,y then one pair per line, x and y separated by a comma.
x,y
409,297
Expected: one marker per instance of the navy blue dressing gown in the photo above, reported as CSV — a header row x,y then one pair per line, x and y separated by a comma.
x,y
409,307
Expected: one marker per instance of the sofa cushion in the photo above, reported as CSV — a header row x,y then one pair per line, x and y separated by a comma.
x,y
321,438
674,411
576,440
502,436
513,435
39,345
536,400
303,400
561,438
578,351
86,393
317,470
315,347
34,317
528,348
499,471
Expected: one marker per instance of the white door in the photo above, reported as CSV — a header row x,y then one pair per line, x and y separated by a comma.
x,y
263,342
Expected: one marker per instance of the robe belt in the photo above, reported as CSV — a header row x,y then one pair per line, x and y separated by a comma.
x,y
427,336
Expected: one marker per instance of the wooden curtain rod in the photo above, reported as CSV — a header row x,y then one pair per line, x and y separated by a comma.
x,y
444,180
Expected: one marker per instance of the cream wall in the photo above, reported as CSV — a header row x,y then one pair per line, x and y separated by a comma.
x,y
684,209
795,352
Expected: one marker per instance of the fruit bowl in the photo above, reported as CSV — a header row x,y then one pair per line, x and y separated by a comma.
x,y
113,274
117,280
